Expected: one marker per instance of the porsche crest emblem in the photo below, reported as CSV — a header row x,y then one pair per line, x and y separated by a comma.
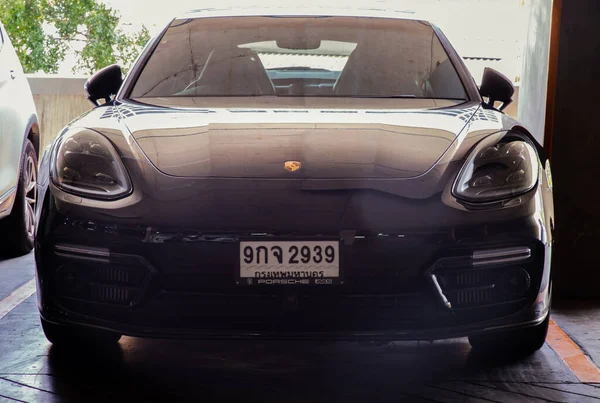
x,y
292,166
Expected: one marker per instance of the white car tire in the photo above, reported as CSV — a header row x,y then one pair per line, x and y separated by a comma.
x,y
17,231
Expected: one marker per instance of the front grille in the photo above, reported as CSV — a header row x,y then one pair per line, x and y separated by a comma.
x,y
383,288
291,311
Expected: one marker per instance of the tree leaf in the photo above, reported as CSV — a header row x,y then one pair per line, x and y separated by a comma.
x,y
43,32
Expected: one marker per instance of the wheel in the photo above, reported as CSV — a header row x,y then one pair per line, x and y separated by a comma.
x,y
18,229
522,341
69,336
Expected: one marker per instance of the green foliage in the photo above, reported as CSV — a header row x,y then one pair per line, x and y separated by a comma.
x,y
44,31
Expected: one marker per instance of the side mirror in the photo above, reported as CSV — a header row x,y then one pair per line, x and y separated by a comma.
x,y
497,88
104,84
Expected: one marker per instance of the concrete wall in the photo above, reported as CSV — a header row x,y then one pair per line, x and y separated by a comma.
x,y
575,151
58,100
534,75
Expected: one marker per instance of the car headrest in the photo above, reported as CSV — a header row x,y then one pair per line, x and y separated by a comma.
x,y
236,71
369,73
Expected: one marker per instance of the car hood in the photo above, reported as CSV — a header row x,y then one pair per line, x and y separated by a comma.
x,y
315,142
222,168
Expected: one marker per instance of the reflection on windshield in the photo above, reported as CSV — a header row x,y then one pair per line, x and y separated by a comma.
x,y
349,57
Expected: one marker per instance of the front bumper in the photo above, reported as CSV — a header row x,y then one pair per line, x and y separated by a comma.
x,y
140,281
513,322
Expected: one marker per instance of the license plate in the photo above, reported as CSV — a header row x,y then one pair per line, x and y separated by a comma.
x,y
289,263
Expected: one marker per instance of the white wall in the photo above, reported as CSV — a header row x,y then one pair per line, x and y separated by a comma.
x,y
534,77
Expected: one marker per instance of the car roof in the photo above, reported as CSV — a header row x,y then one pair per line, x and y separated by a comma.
x,y
301,11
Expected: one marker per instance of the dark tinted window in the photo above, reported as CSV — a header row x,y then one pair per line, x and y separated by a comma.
x,y
332,56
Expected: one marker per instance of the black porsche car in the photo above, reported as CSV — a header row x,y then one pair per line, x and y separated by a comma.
x,y
296,174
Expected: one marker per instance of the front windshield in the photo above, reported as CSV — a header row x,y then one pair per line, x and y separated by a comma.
x,y
349,57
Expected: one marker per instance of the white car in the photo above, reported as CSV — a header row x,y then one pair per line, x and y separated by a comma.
x,y
19,147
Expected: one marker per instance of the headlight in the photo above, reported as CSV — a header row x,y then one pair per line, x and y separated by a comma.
x,y
496,173
85,163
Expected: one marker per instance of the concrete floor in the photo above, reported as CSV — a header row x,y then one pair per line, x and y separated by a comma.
x,y
168,371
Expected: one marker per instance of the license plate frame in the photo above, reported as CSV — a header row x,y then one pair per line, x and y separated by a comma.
x,y
243,278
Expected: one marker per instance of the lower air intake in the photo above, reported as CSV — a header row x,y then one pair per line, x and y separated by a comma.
x,y
484,278
111,294
472,297
94,275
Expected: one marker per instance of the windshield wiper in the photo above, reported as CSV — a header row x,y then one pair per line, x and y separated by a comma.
x,y
406,96
410,96
296,68
401,96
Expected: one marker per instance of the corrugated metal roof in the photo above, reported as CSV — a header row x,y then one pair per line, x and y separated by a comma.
x,y
476,65
329,62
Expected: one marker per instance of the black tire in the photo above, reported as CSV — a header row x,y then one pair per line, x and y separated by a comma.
x,y
70,336
522,342
17,231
